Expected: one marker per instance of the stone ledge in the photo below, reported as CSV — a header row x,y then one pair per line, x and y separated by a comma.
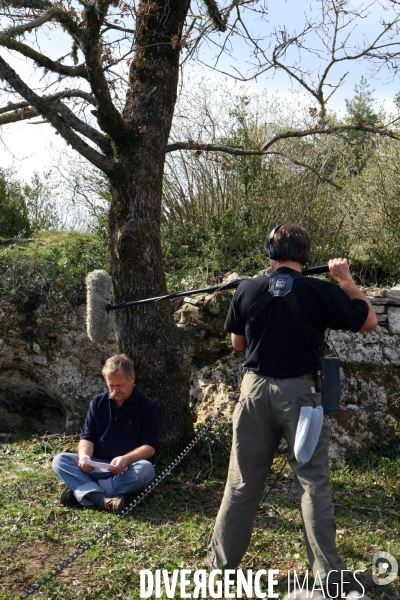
x,y
392,301
394,293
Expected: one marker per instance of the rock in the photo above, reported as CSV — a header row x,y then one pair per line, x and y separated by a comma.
x,y
379,293
394,293
378,301
217,304
49,372
190,313
393,313
230,277
194,301
208,347
379,310
391,352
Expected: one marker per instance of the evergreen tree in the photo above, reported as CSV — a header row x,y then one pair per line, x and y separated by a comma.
x,y
14,215
361,111
41,205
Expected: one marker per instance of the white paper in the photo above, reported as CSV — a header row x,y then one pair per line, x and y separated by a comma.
x,y
99,467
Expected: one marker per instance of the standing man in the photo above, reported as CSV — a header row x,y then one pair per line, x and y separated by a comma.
x,y
121,431
282,359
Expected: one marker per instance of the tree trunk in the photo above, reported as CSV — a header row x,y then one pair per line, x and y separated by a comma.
x,y
148,334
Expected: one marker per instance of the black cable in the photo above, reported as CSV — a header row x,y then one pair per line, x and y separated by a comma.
x,y
110,525
274,482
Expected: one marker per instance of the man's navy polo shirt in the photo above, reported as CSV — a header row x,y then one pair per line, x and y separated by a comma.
x,y
114,430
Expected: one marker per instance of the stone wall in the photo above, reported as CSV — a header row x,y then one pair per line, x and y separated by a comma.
x,y
49,369
369,373
387,307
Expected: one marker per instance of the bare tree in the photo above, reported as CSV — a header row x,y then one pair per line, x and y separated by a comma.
x,y
112,99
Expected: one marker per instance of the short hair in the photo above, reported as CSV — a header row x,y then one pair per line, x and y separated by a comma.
x,y
291,242
117,362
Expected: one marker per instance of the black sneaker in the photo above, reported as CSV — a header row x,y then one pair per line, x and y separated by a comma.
x,y
362,583
68,498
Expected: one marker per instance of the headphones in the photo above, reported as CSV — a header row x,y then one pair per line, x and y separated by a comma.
x,y
272,254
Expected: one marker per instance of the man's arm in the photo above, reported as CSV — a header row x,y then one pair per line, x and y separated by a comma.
x,y
85,452
339,269
120,463
238,341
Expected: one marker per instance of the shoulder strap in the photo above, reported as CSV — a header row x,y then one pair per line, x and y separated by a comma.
x,y
290,300
259,304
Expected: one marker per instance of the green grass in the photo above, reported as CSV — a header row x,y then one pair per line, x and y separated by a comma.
x,y
52,265
169,530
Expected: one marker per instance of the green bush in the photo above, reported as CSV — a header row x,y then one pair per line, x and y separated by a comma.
x,y
14,214
51,267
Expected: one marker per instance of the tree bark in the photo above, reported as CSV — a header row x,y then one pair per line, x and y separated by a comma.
x,y
148,334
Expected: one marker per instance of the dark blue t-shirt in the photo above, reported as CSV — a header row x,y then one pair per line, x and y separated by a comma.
x,y
276,343
114,430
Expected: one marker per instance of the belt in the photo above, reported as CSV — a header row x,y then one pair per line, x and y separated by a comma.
x,y
309,376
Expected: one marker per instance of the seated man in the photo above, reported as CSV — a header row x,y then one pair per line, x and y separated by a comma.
x,y
121,429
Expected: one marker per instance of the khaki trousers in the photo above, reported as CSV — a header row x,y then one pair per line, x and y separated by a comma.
x,y
267,408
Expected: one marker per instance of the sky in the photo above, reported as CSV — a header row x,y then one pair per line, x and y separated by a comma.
x,y
29,148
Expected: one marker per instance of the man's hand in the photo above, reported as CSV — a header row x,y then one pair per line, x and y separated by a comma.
x,y
85,452
339,269
83,465
119,464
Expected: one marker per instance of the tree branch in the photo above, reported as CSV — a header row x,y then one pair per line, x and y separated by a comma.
x,y
117,28
329,131
215,15
191,145
238,151
90,132
41,59
56,13
89,41
58,96
18,115
308,167
41,106
109,118
19,29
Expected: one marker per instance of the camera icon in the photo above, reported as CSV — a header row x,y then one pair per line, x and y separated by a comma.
x,y
384,564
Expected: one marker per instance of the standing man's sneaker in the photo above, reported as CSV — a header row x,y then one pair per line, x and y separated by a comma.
x,y
115,505
361,584
68,498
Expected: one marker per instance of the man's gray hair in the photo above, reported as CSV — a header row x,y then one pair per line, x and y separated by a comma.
x,y
117,362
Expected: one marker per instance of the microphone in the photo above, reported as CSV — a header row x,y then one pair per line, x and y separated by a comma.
x,y
99,322
215,288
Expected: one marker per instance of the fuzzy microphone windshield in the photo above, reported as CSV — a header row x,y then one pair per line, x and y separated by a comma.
x,y
99,322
